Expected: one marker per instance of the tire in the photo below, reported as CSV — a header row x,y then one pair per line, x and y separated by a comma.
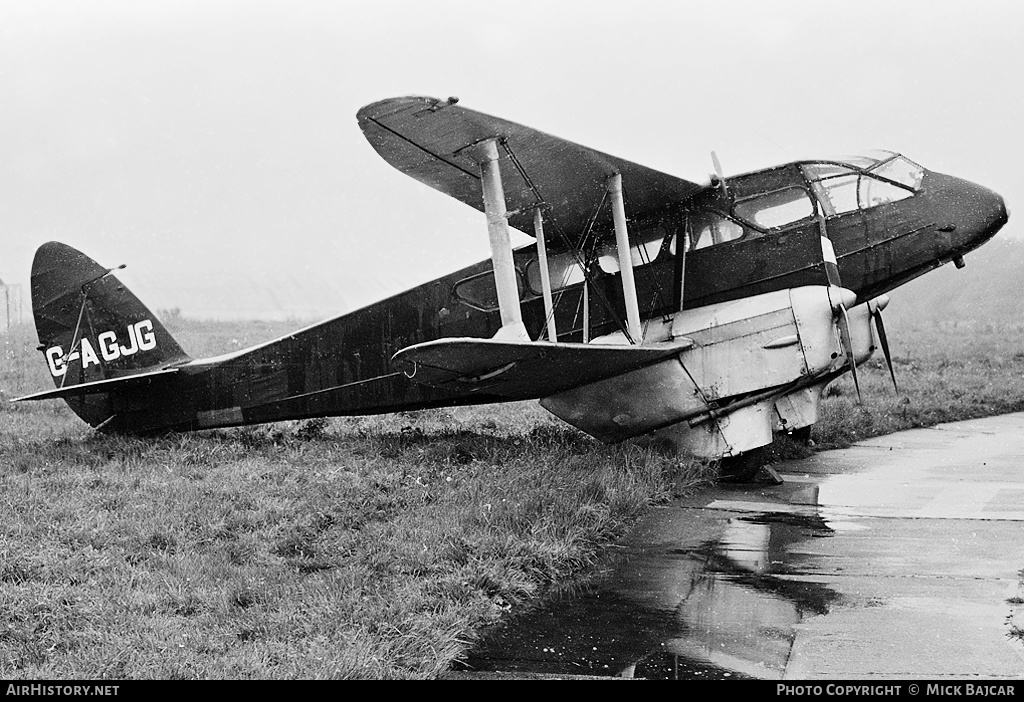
x,y
801,435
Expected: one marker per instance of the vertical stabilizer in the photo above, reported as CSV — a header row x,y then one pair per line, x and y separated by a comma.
x,y
92,328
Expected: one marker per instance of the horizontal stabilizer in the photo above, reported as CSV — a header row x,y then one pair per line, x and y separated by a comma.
x,y
522,370
99,386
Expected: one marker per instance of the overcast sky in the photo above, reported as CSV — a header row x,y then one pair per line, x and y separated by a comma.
x,y
212,146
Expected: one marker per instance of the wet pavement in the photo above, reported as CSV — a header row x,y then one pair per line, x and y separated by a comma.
x,y
900,557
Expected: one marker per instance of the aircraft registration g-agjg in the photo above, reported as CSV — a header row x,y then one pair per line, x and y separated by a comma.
x,y
704,316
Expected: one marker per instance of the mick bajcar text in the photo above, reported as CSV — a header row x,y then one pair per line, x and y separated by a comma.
x,y
912,689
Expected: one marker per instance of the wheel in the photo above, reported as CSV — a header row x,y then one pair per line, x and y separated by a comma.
x,y
801,435
742,468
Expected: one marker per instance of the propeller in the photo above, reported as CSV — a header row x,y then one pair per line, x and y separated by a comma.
x,y
718,180
844,334
876,306
842,299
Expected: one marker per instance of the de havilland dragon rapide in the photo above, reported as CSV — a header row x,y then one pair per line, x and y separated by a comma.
x,y
705,316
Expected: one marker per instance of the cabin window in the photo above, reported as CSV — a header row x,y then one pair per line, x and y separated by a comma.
x,y
647,247
563,268
480,292
837,194
776,209
901,170
707,228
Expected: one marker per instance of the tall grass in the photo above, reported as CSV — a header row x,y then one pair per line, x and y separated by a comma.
x,y
373,547
370,547
945,372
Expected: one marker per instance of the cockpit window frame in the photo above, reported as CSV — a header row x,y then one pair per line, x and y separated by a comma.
x,y
819,174
914,187
869,163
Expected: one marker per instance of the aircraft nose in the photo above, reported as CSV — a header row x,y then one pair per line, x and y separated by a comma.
x,y
973,213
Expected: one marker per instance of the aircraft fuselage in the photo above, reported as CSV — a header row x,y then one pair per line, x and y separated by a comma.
x,y
761,233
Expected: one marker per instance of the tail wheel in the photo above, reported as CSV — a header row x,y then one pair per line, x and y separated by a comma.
x,y
742,468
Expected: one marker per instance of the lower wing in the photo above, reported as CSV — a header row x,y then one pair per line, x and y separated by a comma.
x,y
522,370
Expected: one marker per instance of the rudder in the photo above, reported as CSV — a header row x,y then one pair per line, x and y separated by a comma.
x,y
92,328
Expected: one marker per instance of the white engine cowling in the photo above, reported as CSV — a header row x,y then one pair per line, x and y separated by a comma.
x,y
755,368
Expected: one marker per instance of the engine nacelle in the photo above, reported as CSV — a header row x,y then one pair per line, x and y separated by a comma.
x,y
756,365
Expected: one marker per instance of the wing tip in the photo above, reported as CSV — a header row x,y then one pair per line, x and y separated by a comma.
x,y
387,106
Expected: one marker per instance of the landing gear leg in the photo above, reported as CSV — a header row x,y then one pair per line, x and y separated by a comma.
x,y
742,468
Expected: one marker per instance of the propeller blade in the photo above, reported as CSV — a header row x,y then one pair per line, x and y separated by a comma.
x,y
838,297
719,174
717,165
844,333
876,312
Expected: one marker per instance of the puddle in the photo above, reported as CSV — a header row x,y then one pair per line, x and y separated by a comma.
x,y
720,610
745,582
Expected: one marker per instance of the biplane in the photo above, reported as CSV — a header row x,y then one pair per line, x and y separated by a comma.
x,y
707,316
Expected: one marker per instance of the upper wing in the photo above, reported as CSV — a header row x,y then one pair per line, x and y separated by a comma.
x,y
522,370
428,138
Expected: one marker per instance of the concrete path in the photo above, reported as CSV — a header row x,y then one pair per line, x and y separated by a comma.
x,y
898,558
928,555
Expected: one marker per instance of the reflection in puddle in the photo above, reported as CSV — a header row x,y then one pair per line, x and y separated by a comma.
x,y
717,610
740,613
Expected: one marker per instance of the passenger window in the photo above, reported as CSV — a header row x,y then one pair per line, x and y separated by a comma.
x,y
707,228
776,209
648,246
563,268
480,292
837,195
874,192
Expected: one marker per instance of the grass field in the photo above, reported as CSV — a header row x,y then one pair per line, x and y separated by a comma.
x,y
374,547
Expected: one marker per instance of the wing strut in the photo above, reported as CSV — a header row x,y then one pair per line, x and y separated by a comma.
x,y
486,155
586,307
545,274
625,259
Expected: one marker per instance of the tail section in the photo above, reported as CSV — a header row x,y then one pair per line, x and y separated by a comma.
x,y
93,332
